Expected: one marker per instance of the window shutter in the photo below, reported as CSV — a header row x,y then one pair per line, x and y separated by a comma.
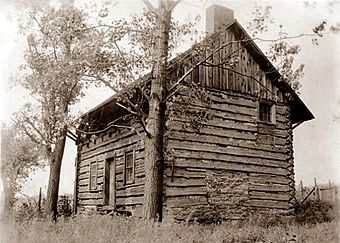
x,y
106,182
93,176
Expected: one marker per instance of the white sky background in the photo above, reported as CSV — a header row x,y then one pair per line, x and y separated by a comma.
x,y
316,143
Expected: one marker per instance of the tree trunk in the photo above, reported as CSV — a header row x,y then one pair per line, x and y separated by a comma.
x,y
54,178
8,195
153,189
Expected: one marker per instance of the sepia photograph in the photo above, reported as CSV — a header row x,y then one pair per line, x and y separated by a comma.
x,y
170,121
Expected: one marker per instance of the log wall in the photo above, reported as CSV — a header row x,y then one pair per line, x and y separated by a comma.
x,y
224,166
220,161
111,145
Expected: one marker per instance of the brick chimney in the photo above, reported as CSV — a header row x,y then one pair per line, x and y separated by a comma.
x,y
217,16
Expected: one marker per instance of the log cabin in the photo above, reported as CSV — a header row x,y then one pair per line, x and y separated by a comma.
x,y
227,138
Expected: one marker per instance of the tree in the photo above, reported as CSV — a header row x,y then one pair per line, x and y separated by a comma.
x,y
283,50
152,37
61,49
19,157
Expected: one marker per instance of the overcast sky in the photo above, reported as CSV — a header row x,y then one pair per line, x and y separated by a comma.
x,y
316,143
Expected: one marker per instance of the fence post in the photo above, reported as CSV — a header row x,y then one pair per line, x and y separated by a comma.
x,y
39,201
301,189
317,193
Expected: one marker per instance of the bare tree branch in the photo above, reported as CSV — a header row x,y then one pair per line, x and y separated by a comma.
x,y
129,69
173,4
151,7
28,120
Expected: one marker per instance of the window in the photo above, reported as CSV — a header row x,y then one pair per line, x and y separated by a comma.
x,y
129,170
93,176
266,111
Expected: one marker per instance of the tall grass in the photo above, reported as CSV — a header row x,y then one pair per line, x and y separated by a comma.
x,y
98,228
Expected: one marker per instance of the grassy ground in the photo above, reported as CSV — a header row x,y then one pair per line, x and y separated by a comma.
x,y
85,229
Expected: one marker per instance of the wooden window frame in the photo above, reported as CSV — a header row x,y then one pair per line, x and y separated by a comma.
x,y
272,112
130,180
94,174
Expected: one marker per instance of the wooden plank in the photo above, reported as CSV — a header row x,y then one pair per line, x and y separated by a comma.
x,y
232,76
216,60
222,71
202,75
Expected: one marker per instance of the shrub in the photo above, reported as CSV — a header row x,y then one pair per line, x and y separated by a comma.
x,y
313,212
64,206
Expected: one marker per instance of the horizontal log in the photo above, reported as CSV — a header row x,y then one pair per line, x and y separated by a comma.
x,y
269,196
130,201
198,160
184,153
84,175
118,146
84,182
185,191
265,178
220,97
268,187
137,190
124,133
218,140
184,182
223,98
119,158
282,109
120,185
268,204
275,158
90,202
215,112
230,108
220,123
89,195
182,172
84,169
210,130
185,201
